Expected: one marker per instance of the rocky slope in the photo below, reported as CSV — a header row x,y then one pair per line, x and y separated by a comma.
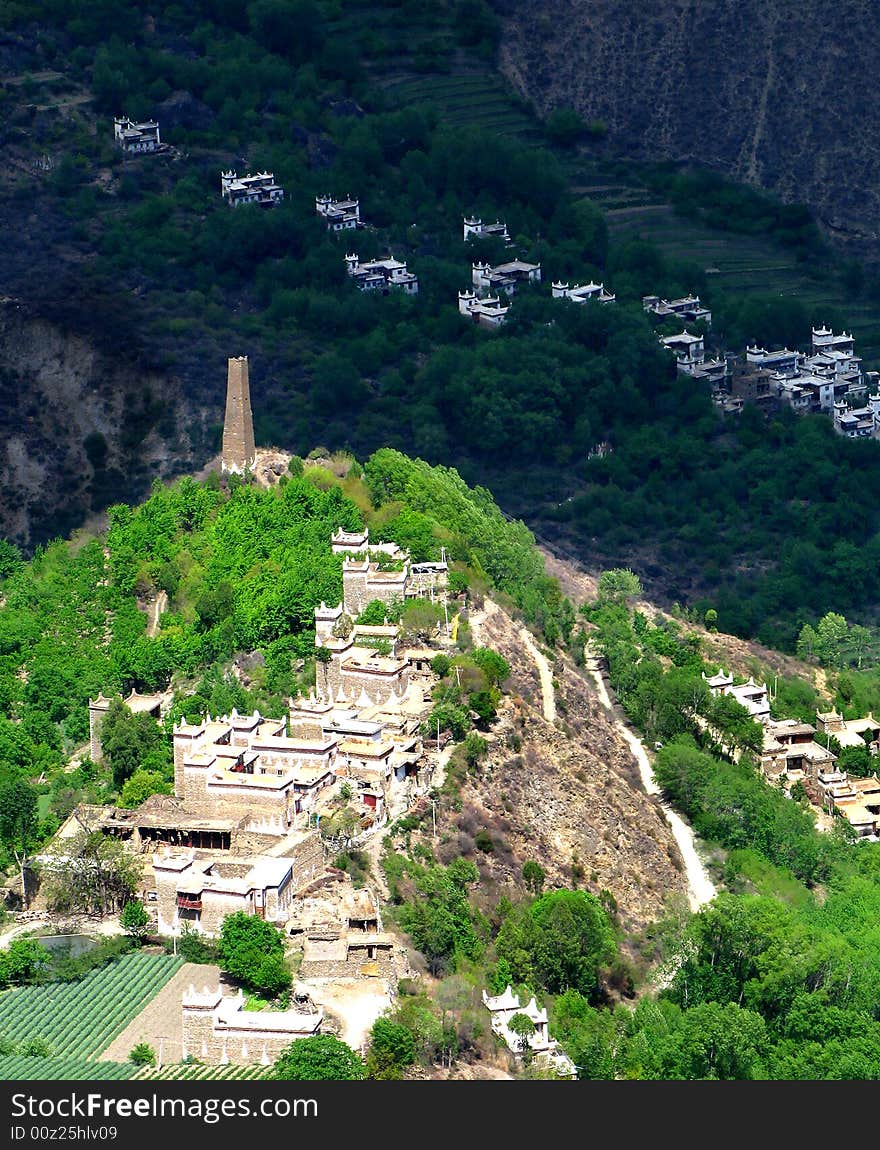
x,y
567,795
768,93
81,426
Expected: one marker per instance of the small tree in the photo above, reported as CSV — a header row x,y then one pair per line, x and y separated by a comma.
x,y
321,1057
246,942
475,747
19,826
143,1055
619,585
533,876
523,1027
23,961
392,1049
272,976
135,920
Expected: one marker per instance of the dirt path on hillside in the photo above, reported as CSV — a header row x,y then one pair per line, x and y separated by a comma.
x,y
161,1020
700,887
548,696
158,606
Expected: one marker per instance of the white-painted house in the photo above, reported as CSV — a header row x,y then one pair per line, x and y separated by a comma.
x,y
688,309
503,1007
382,275
580,293
504,277
340,215
474,228
259,189
136,138
486,312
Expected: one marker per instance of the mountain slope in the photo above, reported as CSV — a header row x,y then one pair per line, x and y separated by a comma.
x,y
767,93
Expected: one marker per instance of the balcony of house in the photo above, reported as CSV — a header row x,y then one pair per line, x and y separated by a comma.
x,y
189,902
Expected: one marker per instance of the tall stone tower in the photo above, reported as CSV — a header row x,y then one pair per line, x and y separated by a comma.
x,y
239,452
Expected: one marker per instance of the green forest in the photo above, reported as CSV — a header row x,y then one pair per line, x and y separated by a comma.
x,y
771,523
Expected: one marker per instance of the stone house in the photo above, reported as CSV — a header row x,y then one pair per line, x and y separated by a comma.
x,y
218,1030
340,932
201,892
382,275
486,312
339,215
857,422
504,277
244,766
136,139
502,1009
580,293
364,580
259,189
783,361
353,669
688,309
689,350
751,695
358,543
850,732
474,228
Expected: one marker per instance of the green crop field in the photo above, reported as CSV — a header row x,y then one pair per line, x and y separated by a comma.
x,y
79,1019
20,1068
188,1071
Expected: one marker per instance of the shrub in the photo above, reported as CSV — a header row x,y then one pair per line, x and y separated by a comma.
x,y
143,1055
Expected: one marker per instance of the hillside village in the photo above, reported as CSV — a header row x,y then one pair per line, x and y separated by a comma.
x,y
328,766
826,379
262,809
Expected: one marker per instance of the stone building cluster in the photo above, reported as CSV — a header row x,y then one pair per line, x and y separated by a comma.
x,y
793,753
484,302
827,379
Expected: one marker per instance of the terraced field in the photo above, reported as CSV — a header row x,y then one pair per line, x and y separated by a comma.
x,y
738,263
79,1019
476,100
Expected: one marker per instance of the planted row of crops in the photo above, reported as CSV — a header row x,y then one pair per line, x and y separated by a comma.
x,y
19,1068
80,1019
182,1071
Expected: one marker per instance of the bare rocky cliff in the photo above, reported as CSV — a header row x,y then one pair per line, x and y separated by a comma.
x,y
776,94
80,426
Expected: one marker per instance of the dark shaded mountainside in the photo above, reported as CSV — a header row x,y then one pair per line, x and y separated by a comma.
x,y
771,94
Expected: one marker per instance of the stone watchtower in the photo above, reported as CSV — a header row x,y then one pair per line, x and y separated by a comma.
x,y
239,452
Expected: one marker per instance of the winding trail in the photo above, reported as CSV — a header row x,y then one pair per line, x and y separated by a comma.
x,y
700,887
158,606
548,697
